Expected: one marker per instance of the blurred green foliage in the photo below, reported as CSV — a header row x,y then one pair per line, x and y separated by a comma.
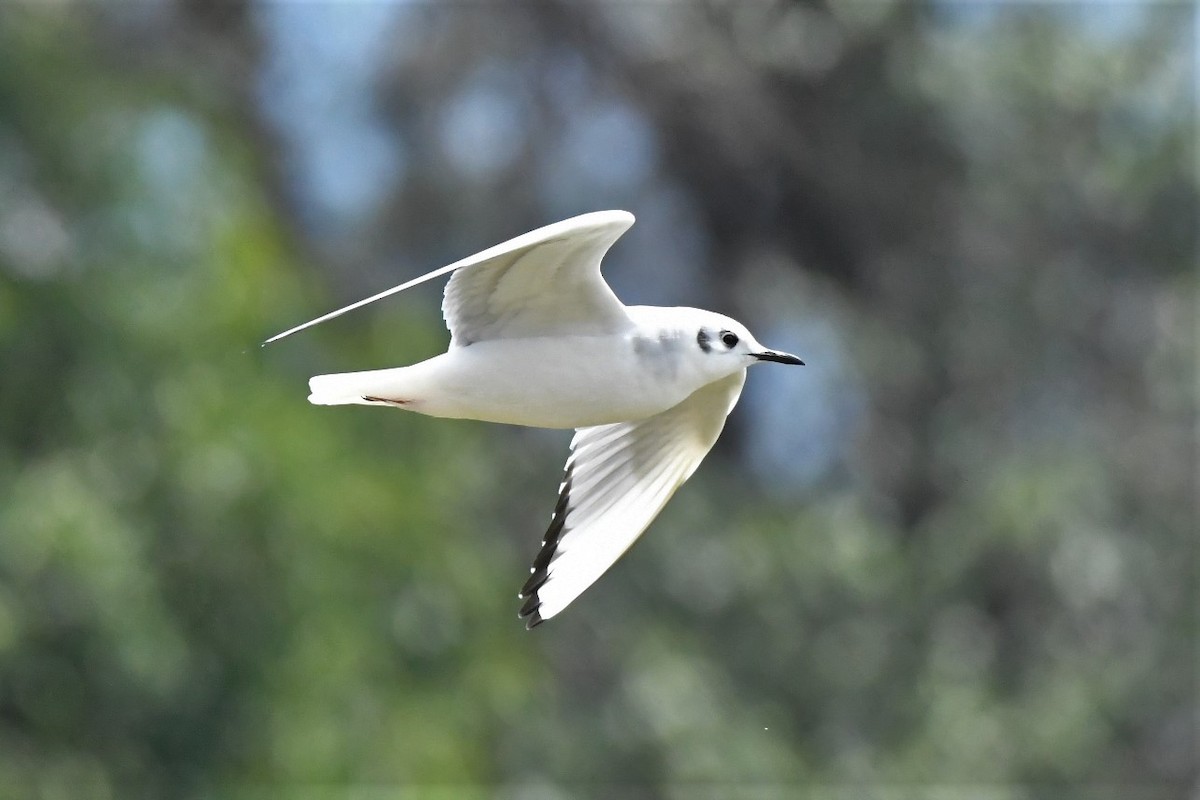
x,y
209,588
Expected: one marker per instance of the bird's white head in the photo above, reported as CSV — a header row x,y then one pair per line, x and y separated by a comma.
x,y
712,345
727,344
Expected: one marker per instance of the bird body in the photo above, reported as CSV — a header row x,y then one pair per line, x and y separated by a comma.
x,y
537,338
548,382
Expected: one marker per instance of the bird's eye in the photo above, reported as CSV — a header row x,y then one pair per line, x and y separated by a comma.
x,y
729,339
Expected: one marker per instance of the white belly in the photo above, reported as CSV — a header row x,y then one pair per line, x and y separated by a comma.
x,y
546,383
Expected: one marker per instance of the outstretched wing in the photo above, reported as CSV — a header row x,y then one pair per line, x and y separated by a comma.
x,y
543,283
617,480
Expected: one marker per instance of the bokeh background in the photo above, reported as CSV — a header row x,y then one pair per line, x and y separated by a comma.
x,y
954,555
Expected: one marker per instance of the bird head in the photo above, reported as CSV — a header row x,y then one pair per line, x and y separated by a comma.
x,y
726,345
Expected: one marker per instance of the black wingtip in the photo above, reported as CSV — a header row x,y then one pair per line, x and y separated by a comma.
x,y
541,563
536,581
530,613
530,606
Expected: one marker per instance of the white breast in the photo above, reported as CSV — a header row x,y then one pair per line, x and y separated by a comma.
x,y
568,382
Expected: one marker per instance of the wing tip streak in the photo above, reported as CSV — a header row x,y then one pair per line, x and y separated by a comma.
x,y
540,571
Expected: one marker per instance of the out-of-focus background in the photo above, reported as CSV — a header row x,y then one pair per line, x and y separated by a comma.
x,y
956,550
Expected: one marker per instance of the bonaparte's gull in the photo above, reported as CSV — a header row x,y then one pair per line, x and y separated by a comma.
x,y
538,338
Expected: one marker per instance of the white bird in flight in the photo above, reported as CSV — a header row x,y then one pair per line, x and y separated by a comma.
x,y
538,338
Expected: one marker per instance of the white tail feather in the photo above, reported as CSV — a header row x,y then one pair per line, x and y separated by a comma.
x,y
363,388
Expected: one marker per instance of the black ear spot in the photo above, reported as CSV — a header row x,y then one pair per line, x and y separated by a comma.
x,y
703,340
729,339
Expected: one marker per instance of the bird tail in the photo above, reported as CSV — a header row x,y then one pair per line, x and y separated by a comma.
x,y
373,387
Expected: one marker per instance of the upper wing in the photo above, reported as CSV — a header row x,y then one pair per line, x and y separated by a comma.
x,y
617,480
544,282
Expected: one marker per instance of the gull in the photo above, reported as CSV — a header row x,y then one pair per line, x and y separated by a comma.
x,y
537,338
